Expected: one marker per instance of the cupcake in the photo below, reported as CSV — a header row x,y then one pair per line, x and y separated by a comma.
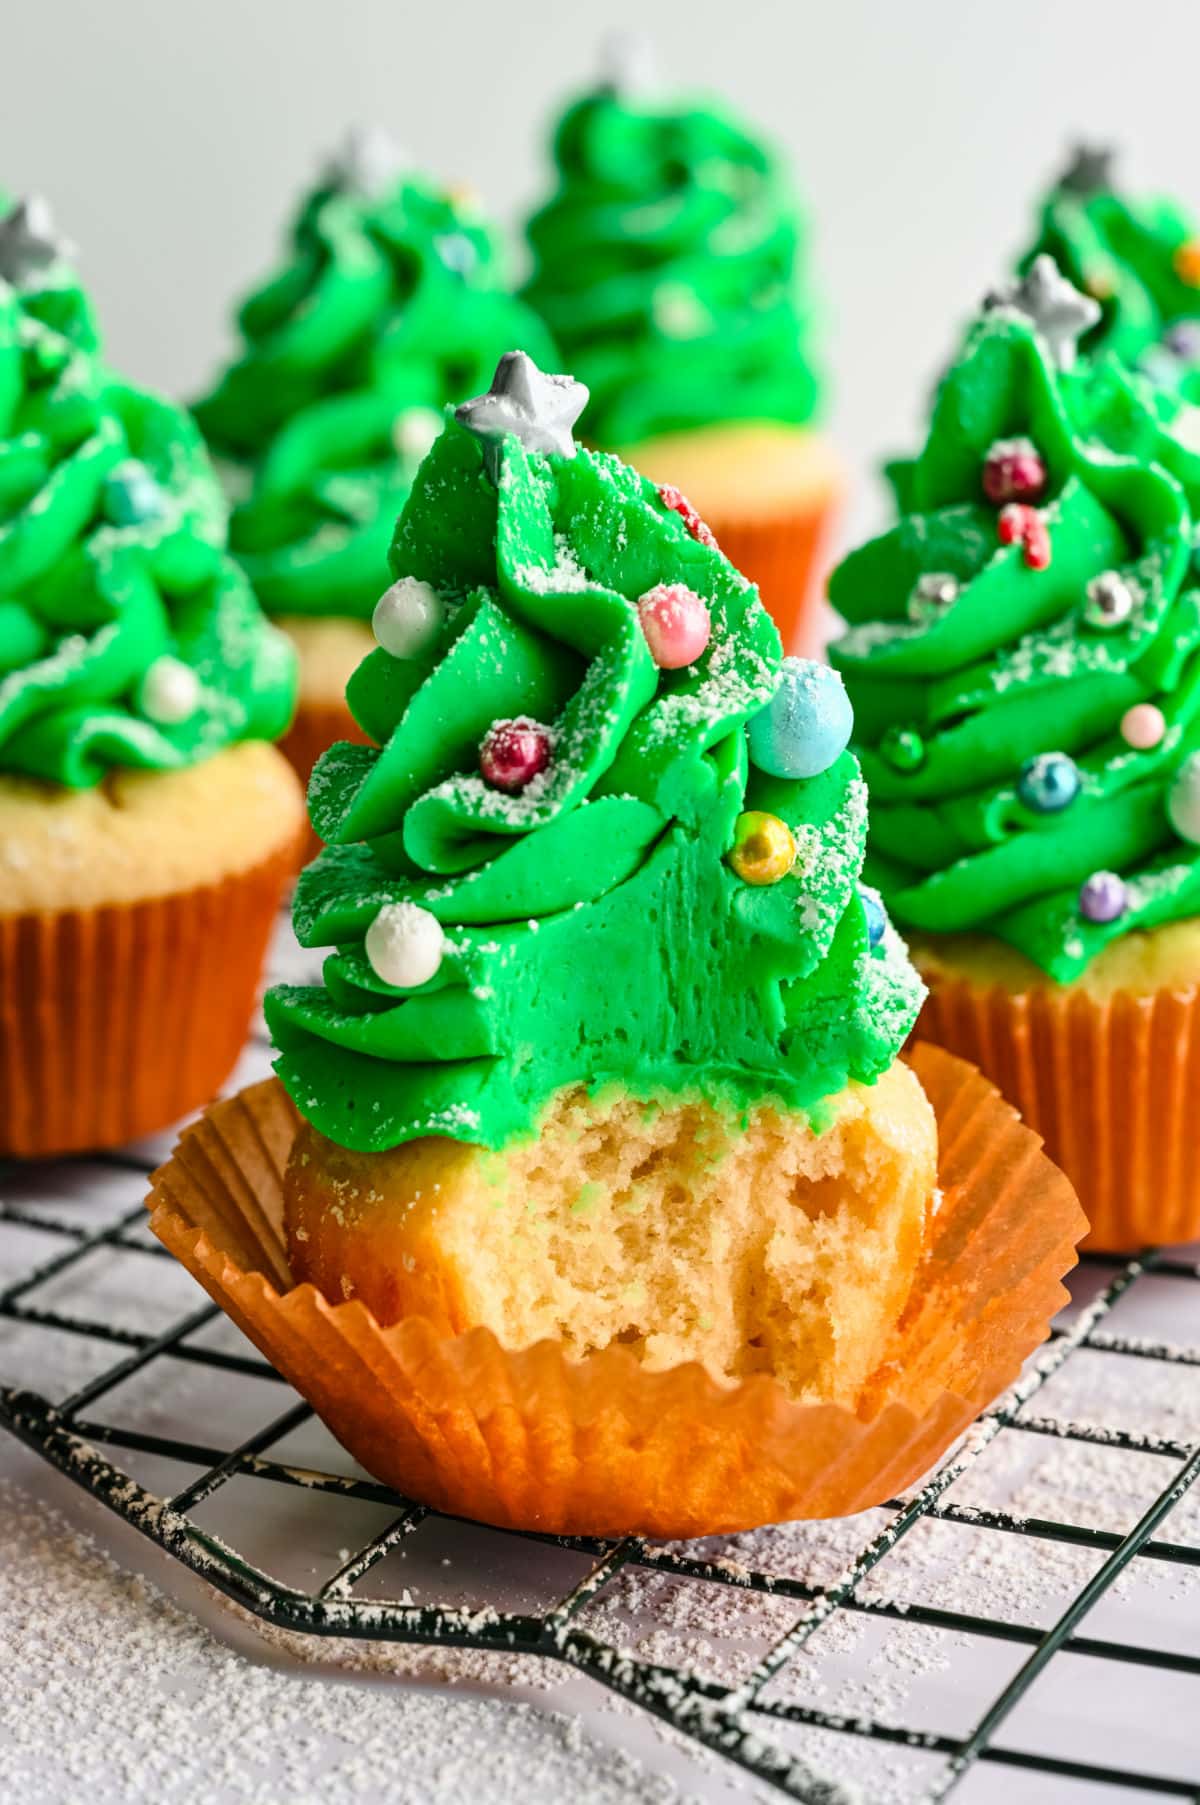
x,y
388,306
146,825
606,1000
1024,662
594,1198
668,266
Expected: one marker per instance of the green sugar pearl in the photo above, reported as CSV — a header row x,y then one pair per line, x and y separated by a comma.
x,y
903,748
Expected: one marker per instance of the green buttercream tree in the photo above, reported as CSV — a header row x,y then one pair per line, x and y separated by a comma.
x,y
1140,260
128,638
389,305
542,872
668,266
1139,381
1034,592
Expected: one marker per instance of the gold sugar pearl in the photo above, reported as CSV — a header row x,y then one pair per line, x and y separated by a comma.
x,y
1187,262
763,848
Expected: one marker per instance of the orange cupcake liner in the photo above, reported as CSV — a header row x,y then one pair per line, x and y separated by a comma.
x,y
116,1021
1111,1084
531,1439
783,553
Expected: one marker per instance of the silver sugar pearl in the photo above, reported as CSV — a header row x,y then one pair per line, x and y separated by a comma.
x,y
932,595
1110,600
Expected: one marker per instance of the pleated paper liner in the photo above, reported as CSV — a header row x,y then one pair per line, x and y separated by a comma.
x,y
534,1440
116,1021
782,553
1111,1084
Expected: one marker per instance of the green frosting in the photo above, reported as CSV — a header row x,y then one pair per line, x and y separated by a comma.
x,y
595,930
128,638
950,708
1140,260
388,306
666,266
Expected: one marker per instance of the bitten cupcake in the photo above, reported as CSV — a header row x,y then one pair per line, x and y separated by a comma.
x,y
597,1201
146,828
389,306
1024,660
668,266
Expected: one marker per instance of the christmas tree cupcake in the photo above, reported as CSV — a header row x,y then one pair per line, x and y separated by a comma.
x,y
596,1200
669,266
1024,660
589,928
146,827
388,306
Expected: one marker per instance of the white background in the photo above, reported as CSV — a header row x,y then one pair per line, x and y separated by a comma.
x,y
173,138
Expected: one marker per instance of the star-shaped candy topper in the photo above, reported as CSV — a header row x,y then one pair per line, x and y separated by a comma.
x,y
1090,170
1060,314
29,242
628,68
367,162
526,403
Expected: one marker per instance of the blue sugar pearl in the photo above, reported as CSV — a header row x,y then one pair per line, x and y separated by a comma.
x,y
1048,783
806,725
131,495
875,913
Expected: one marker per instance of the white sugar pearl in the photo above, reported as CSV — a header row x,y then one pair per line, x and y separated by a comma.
x,y
407,617
405,944
1183,800
170,692
414,431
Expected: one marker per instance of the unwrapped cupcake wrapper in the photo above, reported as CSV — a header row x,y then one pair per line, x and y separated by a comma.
x,y
536,1440
1112,1084
782,553
116,1021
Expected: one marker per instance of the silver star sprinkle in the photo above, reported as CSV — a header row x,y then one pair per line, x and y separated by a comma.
x,y
538,409
367,162
1060,314
627,64
1090,170
29,242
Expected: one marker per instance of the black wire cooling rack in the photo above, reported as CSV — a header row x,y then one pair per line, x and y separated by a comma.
x,y
741,1721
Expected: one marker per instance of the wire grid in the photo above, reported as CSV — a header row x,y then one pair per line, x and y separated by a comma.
x,y
735,1720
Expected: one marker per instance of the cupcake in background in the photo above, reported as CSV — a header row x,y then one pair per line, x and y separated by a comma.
x,y
389,305
146,825
669,266
1024,661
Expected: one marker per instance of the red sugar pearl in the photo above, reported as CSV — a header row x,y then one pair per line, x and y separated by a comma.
x,y
677,501
1014,471
1024,526
512,754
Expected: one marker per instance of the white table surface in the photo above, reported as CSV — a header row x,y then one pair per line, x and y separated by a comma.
x,y
125,1678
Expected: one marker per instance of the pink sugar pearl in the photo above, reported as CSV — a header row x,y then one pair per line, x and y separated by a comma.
x,y
676,624
513,753
1142,726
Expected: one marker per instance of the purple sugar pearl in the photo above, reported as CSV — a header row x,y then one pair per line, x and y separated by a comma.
x,y
1102,897
1183,338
